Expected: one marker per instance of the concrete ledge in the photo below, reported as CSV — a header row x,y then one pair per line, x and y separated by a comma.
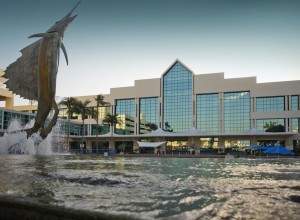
x,y
12,208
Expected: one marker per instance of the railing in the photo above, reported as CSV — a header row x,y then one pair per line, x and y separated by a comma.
x,y
106,152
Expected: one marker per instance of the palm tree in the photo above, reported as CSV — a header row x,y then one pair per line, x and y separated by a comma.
x,y
69,103
82,109
151,126
112,120
99,102
274,127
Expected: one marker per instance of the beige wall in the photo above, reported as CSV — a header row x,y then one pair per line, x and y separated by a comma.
x,y
141,88
215,82
5,94
277,89
26,108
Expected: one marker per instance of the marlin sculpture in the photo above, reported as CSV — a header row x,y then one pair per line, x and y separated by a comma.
x,y
33,75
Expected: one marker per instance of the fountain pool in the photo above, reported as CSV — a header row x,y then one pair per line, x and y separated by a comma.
x,y
156,188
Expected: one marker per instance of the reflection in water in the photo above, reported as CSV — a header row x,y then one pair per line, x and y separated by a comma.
x,y
147,188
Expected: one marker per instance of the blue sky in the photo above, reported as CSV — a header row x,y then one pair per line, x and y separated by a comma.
x,y
112,43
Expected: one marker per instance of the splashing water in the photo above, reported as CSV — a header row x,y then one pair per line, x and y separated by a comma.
x,y
18,143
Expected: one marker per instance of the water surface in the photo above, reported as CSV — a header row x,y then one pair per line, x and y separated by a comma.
x,y
158,188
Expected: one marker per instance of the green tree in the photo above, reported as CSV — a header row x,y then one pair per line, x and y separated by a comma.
x,y
70,104
112,120
273,127
85,111
168,127
151,126
99,103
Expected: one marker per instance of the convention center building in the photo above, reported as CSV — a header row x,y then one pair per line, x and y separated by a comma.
x,y
184,111
192,111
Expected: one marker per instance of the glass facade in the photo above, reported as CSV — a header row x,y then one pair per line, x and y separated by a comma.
x,y
1,115
179,144
236,112
21,117
209,142
208,112
177,99
63,113
76,129
125,109
295,103
103,111
237,145
148,115
271,125
295,125
270,104
124,146
102,129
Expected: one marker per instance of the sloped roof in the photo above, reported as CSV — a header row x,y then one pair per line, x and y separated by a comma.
x,y
158,132
192,132
254,131
173,64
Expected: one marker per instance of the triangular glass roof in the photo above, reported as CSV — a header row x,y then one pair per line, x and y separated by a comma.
x,y
177,64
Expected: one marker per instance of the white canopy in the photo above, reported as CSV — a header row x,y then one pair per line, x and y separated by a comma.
x,y
192,132
150,144
158,132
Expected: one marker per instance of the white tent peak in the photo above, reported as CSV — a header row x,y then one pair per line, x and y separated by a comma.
x,y
192,131
254,131
158,132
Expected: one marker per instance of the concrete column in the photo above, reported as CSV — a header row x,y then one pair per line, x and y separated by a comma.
x,y
221,98
194,111
221,142
9,103
137,116
111,143
160,113
253,141
252,110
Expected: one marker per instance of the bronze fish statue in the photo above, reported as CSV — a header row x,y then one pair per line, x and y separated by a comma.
x,y
33,75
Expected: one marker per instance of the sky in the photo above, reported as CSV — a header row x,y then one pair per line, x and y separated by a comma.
x,y
111,43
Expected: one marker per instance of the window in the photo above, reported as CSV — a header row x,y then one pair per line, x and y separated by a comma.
x,y
271,125
295,103
148,115
270,104
236,112
295,125
126,112
208,112
177,99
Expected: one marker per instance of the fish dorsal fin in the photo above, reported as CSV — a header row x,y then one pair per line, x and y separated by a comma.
x,y
22,74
